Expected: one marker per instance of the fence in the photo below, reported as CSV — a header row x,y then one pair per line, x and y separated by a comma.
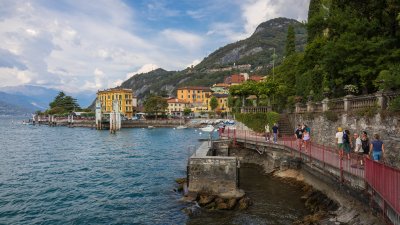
x,y
383,179
349,103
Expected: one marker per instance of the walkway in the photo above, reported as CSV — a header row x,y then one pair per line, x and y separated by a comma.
x,y
382,179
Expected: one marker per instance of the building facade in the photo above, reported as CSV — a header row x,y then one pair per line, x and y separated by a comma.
x,y
177,106
126,100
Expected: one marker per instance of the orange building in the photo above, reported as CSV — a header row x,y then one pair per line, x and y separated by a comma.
x,y
193,94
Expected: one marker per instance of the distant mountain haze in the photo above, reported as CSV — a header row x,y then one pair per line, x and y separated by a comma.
x,y
30,98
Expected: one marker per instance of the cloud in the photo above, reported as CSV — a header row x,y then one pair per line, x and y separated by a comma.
x,y
187,40
10,60
144,69
194,63
255,12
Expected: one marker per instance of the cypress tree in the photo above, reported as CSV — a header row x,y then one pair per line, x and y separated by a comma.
x,y
290,41
313,26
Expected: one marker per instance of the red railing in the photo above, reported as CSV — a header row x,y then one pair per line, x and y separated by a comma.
x,y
383,179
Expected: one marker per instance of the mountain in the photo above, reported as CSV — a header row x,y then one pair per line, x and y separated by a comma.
x,y
252,55
40,97
14,104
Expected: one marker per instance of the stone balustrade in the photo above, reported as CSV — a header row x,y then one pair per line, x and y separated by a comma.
x,y
348,103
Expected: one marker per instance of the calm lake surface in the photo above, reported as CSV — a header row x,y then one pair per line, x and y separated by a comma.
x,y
60,175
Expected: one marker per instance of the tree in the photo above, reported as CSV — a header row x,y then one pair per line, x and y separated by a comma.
x,y
187,111
213,103
63,103
155,104
290,41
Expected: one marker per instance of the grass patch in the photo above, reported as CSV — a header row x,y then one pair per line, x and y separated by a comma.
x,y
257,121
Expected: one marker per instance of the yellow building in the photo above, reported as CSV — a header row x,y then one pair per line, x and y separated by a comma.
x,y
127,102
177,106
193,94
222,102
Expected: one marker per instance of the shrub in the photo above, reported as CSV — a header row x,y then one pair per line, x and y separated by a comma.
x,y
394,105
257,121
367,112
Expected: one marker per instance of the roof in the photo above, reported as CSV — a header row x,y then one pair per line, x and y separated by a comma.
x,y
116,90
217,95
256,78
175,100
221,85
194,88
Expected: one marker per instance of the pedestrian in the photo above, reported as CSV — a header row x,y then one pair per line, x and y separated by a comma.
x,y
275,131
267,133
347,143
377,148
365,143
298,134
306,139
339,140
357,146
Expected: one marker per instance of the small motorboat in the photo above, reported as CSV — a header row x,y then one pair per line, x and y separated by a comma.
x,y
150,127
208,128
181,127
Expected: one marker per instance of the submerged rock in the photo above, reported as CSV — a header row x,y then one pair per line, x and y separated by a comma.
x,y
244,203
205,199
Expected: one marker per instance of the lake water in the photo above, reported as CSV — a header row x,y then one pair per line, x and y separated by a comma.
x,y
60,175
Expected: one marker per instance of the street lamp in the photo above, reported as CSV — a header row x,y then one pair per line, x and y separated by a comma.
x,y
273,62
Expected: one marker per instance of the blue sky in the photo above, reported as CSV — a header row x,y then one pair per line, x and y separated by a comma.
x,y
95,44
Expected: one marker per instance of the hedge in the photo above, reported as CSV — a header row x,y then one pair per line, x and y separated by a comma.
x,y
257,121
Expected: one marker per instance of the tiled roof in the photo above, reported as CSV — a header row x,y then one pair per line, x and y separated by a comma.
x,y
194,88
175,100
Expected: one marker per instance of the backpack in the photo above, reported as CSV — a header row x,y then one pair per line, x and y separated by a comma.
x,y
364,144
345,138
308,130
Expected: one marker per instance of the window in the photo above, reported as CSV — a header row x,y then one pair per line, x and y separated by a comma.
x,y
181,96
198,91
113,97
188,96
108,97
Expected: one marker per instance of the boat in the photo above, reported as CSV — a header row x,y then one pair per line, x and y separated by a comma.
x,y
208,128
150,127
181,127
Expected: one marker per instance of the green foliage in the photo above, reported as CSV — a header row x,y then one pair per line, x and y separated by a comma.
x,y
290,41
213,103
187,111
62,104
394,105
331,116
389,79
257,121
155,104
88,114
368,112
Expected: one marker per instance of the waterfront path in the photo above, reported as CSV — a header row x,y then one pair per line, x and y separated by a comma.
x,y
382,180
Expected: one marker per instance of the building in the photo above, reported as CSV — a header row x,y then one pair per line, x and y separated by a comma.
x,y
235,79
126,100
177,106
256,78
193,95
220,88
222,102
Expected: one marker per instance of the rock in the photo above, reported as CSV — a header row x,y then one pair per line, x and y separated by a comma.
x,y
232,203
205,199
211,206
180,180
222,206
244,203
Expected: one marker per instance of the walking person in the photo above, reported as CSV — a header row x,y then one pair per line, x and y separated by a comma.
x,y
347,143
357,144
339,140
275,131
306,140
377,148
365,143
298,134
267,133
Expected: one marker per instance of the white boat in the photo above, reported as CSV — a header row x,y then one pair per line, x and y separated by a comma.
x,y
208,128
150,127
181,127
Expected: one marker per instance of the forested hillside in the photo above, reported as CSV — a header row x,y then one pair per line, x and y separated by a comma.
x,y
256,50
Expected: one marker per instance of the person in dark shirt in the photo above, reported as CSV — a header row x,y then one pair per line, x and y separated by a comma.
x,y
275,131
299,136
377,148
365,143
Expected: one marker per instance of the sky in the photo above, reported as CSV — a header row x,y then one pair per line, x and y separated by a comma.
x,y
96,44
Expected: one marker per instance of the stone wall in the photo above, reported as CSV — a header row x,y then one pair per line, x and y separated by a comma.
x,y
213,174
323,130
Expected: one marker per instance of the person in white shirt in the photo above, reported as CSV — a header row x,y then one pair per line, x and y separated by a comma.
x,y
339,140
358,147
